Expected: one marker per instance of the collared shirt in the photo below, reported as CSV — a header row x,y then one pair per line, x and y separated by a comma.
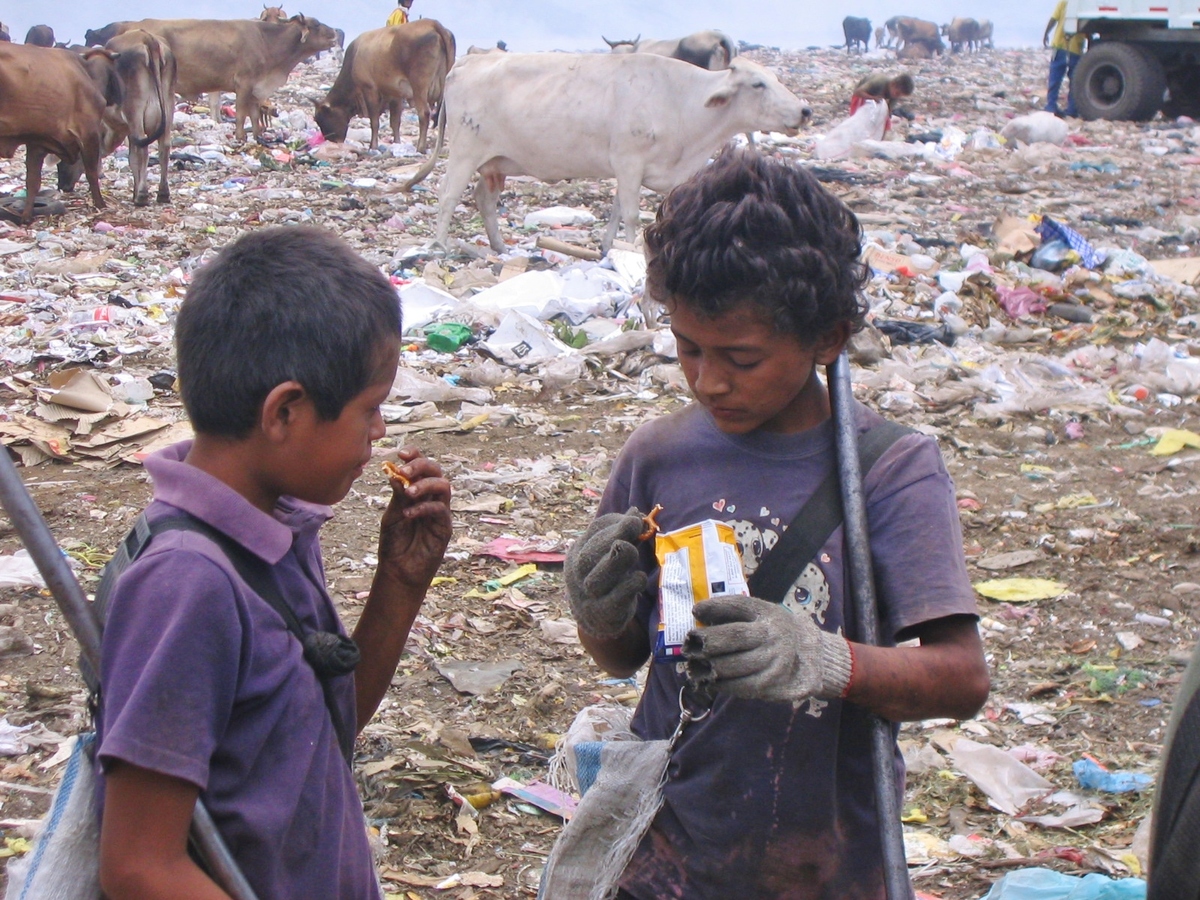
x,y
202,681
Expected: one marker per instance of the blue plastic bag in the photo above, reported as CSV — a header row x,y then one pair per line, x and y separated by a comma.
x,y
1094,778
1046,884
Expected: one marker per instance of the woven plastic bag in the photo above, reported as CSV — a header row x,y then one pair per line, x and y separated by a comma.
x,y
64,863
616,810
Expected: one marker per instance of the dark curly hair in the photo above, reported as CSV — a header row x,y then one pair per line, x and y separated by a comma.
x,y
748,227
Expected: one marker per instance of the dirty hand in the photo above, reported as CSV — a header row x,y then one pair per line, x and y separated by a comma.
x,y
602,574
416,526
762,651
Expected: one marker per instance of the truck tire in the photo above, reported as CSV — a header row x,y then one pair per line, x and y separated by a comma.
x,y
1118,81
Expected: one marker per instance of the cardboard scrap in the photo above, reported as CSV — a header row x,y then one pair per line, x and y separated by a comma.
x,y
1016,235
79,389
1185,270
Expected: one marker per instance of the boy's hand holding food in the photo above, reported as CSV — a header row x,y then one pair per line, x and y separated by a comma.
x,y
415,530
763,651
602,573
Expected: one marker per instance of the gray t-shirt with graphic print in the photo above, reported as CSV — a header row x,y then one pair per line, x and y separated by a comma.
x,y
770,800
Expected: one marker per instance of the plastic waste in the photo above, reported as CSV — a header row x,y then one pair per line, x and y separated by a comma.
x,y
915,332
1095,777
1020,301
446,337
1051,230
1035,128
866,124
1046,884
1008,783
559,217
1053,256
19,570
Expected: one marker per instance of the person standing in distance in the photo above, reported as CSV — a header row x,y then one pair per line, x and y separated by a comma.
x,y
1067,51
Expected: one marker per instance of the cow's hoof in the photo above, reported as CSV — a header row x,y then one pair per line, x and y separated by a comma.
x,y
141,200
163,197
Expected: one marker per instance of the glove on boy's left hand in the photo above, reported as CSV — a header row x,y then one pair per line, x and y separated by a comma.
x,y
762,651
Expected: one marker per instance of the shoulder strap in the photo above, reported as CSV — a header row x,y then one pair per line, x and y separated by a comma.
x,y
816,521
328,654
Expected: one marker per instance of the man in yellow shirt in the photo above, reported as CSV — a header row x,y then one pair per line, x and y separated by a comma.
x,y
399,15
1067,50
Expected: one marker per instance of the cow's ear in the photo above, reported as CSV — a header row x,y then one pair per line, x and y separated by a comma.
x,y
719,97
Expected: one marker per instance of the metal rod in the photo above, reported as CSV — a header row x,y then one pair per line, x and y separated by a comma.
x,y
35,534
862,588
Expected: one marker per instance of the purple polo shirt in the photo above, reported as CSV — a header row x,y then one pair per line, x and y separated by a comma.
x,y
202,680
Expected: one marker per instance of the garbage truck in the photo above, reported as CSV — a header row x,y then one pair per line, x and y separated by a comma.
x,y
1142,56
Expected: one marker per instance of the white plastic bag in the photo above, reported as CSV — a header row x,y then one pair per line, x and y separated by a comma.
x,y
866,124
64,863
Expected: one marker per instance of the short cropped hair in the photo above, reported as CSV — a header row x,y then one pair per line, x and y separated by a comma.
x,y
904,84
281,304
748,227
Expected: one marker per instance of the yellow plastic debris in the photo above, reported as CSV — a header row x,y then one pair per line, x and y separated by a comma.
x,y
14,846
1020,590
1173,440
1074,501
915,815
517,574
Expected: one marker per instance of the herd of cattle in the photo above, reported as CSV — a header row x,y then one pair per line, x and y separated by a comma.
x,y
648,113
914,38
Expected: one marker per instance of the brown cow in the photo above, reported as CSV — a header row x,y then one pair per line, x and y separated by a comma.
x,y
248,57
147,70
273,14
383,68
962,31
49,104
910,30
40,36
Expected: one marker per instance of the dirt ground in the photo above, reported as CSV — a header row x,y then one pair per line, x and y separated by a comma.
x,y
1091,672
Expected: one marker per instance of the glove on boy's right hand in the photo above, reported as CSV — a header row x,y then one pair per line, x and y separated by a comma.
x,y
602,574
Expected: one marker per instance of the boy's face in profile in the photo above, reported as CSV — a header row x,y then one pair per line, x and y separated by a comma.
x,y
333,453
748,373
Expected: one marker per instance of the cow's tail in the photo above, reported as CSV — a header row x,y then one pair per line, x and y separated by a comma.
x,y
165,106
423,172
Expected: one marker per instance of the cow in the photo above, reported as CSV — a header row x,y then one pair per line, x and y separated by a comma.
x,y
910,30
984,36
857,31
49,103
962,32
248,57
893,35
710,50
639,117
147,70
381,70
40,36
879,36
272,14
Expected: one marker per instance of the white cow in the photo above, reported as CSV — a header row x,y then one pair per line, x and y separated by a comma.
x,y
643,119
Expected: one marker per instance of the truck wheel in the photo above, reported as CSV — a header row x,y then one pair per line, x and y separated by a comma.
x,y
1118,81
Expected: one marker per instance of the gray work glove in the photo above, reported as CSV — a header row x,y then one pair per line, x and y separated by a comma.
x,y
763,651
602,573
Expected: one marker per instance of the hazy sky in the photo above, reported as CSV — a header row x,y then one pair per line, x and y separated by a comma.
x,y
557,24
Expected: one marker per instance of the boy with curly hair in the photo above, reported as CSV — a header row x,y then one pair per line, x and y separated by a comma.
x,y
770,795
287,344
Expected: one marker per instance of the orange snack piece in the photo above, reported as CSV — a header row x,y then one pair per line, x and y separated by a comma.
x,y
393,472
651,520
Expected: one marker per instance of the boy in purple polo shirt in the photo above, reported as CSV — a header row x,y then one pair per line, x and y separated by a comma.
x,y
769,796
287,344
